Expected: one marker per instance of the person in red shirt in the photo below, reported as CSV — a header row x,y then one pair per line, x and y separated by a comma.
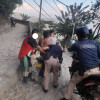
x,y
27,49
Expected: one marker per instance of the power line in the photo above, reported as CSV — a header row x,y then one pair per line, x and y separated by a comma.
x,y
62,3
35,9
51,6
43,10
31,6
56,5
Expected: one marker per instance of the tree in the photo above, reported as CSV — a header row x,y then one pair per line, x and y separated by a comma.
x,y
7,6
96,10
75,16
25,17
96,33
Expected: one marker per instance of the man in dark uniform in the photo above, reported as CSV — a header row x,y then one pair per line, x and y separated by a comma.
x,y
27,49
88,53
52,63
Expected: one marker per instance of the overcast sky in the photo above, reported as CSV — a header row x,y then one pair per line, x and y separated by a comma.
x,y
26,9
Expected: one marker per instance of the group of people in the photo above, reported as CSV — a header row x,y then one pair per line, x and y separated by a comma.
x,y
51,52
88,53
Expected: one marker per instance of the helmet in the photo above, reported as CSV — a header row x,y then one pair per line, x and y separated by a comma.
x,y
82,31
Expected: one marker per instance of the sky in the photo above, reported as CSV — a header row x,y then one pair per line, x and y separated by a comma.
x,y
27,9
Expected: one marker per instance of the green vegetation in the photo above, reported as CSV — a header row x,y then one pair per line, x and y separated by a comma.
x,y
25,17
7,6
76,16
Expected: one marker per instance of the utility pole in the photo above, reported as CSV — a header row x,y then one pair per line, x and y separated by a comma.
x,y
40,15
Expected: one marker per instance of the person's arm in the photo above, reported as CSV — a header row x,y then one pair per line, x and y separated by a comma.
x,y
45,48
64,50
72,48
40,49
41,42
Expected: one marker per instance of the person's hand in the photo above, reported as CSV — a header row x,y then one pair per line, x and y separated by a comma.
x,y
40,49
45,48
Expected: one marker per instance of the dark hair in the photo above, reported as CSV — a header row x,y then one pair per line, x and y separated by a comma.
x,y
46,34
51,31
57,42
35,31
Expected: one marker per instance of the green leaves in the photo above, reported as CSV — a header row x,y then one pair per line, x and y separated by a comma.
x,y
76,16
7,6
25,17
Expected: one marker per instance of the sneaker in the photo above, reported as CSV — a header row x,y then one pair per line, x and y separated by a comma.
x,y
63,99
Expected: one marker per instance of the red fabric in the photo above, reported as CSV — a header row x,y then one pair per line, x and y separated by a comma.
x,y
25,48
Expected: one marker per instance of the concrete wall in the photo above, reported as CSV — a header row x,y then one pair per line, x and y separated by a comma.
x,y
27,23
5,24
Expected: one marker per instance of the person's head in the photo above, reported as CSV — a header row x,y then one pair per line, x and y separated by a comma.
x,y
35,33
82,32
51,32
45,34
58,43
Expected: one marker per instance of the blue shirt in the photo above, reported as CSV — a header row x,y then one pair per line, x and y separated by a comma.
x,y
88,52
55,50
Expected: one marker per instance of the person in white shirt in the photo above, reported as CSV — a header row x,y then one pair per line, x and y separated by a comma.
x,y
52,38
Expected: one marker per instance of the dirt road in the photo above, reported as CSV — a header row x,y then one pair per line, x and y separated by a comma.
x,y
13,89
10,41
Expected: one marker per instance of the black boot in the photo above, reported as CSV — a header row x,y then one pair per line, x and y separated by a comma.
x,y
41,73
30,76
55,86
25,79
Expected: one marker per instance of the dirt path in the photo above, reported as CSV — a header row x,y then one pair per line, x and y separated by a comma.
x,y
11,41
